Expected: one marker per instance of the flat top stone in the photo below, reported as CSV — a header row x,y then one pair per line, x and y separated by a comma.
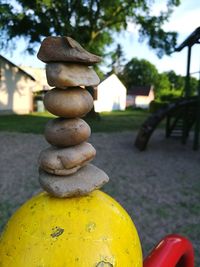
x,y
65,49
82,182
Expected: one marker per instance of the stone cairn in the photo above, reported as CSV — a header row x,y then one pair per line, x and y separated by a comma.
x,y
64,169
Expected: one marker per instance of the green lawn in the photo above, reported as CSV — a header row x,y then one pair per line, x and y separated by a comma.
x,y
116,121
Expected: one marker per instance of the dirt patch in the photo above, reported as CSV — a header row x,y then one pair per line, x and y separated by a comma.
x,y
160,188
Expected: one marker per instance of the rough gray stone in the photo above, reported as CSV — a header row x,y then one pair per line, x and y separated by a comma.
x,y
82,182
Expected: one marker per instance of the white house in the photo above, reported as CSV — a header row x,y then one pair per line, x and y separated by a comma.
x,y
111,95
140,96
40,78
16,87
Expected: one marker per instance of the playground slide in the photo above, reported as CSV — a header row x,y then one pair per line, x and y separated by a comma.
x,y
172,251
154,119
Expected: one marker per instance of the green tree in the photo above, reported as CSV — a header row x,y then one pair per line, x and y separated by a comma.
x,y
163,82
91,22
118,59
193,85
166,91
177,81
139,73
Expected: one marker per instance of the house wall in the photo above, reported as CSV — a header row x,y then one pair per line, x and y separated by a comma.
x,y
111,95
144,101
130,101
40,76
15,90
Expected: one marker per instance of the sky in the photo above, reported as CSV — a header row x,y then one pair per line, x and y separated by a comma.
x,y
185,19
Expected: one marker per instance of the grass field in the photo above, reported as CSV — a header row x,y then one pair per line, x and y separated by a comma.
x,y
116,121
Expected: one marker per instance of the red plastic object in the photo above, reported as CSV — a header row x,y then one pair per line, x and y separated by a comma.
x,y
172,251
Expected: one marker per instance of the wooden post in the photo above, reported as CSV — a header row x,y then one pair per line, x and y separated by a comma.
x,y
187,94
197,121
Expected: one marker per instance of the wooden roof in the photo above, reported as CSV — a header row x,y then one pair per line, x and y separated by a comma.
x,y
26,73
140,90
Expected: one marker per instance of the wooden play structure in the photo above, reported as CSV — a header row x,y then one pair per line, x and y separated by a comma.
x,y
181,116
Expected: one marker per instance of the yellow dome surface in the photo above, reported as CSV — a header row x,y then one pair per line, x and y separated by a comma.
x,y
89,231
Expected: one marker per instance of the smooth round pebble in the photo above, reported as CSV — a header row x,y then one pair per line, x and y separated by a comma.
x,y
65,161
63,132
68,103
64,75
81,183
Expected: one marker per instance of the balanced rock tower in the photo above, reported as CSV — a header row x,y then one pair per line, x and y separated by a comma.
x,y
64,166
71,223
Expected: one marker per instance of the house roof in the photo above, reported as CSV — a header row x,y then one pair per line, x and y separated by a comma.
x,y
26,73
140,90
111,81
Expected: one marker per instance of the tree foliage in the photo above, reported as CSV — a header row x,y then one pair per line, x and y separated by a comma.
x,y
91,22
177,81
193,85
164,82
117,60
139,73
167,85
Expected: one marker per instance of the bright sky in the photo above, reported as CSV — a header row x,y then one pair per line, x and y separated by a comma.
x,y
184,20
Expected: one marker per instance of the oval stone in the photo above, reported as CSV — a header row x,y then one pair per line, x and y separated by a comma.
x,y
64,75
65,161
63,132
69,103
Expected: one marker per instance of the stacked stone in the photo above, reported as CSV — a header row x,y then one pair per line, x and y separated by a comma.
x,y
64,169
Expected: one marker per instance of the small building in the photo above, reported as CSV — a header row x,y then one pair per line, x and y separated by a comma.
x,y
40,78
140,96
40,88
110,95
16,86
